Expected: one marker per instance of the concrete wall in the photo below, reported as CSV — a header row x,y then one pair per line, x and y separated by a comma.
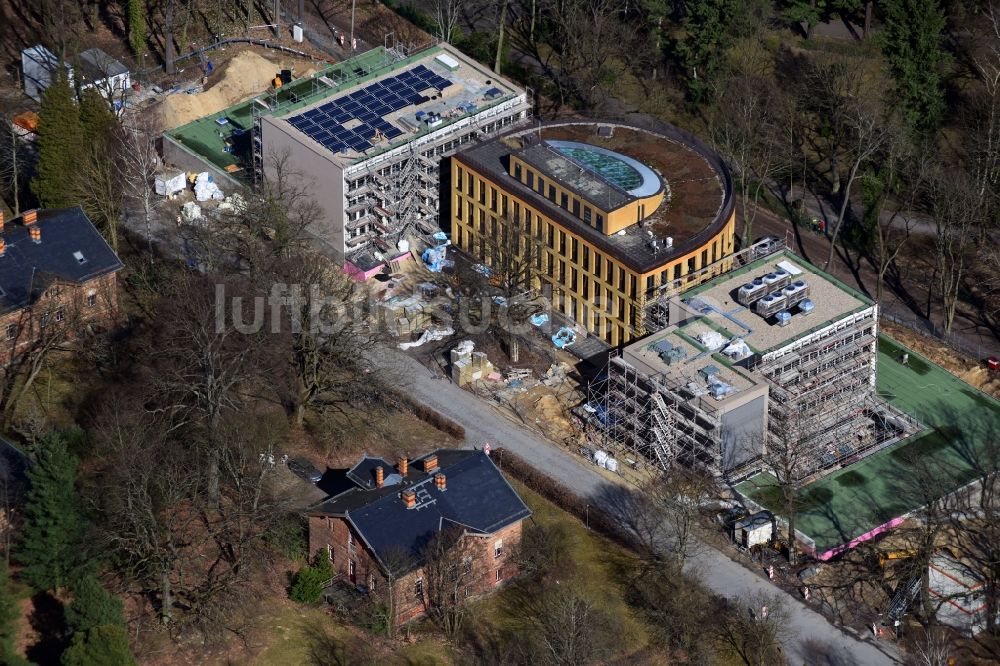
x,y
182,158
315,171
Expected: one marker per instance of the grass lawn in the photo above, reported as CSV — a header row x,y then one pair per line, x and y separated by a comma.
x,y
962,438
292,633
596,567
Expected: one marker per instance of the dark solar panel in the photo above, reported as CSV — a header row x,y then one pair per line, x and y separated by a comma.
x,y
370,105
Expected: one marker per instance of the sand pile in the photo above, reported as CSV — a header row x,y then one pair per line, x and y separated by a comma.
x,y
245,75
969,370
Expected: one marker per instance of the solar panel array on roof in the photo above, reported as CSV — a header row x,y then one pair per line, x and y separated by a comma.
x,y
369,105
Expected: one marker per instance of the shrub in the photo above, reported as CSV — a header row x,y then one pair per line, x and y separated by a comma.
x,y
290,537
308,585
106,645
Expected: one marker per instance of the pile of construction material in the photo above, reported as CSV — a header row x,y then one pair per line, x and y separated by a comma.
x,y
468,365
405,316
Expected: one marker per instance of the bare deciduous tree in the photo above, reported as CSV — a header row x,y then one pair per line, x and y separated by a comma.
x,y
139,161
448,563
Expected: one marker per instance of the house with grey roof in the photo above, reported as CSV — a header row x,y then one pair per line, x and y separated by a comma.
x,y
57,280
383,520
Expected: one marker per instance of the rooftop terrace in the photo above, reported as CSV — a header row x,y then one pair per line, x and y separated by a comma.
x,y
872,494
833,300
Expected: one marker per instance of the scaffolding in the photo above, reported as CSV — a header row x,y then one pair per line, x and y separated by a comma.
x,y
648,417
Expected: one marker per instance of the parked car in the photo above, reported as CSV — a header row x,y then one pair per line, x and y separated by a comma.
x,y
303,468
765,245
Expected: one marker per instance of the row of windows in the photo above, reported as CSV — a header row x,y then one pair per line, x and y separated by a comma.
x,y
571,204
13,330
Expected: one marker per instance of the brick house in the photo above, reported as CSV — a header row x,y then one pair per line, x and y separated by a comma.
x,y
57,278
380,518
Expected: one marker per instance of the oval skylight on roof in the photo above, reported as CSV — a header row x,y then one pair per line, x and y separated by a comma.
x,y
622,171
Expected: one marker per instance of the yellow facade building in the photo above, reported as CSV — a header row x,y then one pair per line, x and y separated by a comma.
x,y
616,215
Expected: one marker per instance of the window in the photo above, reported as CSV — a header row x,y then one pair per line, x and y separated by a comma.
x,y
499,575
467,561
564,201
531,180
60,314
517,171
497,548
91,300
482,192
418,588
350,542
587,214
371,583
552,193
493,199
600,223
43,321
352,569
11,331
576,207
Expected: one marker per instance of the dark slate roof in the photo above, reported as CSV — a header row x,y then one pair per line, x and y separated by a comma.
x,y
363,473
476,497
28,268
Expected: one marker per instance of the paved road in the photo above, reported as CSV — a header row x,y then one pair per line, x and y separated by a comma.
x,y
812,640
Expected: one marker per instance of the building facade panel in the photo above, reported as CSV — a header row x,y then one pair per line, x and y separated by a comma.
x,y
598,281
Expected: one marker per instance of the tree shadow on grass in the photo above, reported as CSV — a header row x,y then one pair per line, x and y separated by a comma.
x,y
49,620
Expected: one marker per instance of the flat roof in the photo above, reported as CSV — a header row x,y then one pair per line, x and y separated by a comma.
x,y
644,356
962,441
227,143
833,300
699,205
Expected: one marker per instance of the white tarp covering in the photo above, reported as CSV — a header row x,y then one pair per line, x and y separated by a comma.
x,y
427,336
191,211
167,184
737,349
205,188
711,339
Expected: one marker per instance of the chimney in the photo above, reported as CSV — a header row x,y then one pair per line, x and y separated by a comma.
x,y
379,476
3,246
430,462
1,220
36,234
409,498
29,217
404,466
439,481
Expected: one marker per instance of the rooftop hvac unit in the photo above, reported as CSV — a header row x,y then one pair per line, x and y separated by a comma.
x,y
795,293
751,291
806,306
770,304
719,390
784,318
776,280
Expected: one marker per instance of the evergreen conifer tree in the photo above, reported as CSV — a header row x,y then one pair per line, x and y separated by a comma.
x,y
51,540
60,144
106,645
92,606
136,18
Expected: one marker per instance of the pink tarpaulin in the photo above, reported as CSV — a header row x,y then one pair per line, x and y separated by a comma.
x,y
360,274
885,527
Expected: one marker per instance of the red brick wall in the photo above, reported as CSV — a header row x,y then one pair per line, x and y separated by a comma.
x,y
324,531
21,328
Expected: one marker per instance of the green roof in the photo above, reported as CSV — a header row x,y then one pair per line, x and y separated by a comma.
x,y
202,136
962,439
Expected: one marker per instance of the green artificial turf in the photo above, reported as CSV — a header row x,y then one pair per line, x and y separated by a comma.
x,y
963,438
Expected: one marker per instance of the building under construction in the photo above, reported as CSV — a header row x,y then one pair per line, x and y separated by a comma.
x,y
771,356
366,136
